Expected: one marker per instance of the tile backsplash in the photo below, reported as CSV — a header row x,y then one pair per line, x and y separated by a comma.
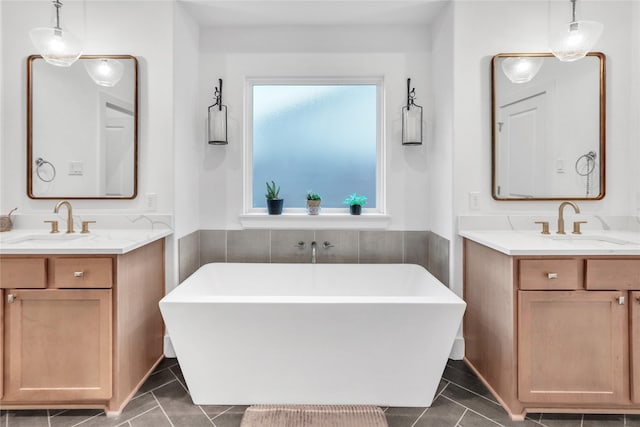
x,y
333,246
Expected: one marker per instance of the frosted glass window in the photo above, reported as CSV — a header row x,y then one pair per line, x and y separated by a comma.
x,y
321,138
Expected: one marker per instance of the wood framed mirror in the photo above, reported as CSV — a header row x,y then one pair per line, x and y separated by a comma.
x,y
82,128
548,127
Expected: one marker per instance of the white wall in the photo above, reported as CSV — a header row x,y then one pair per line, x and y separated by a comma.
x,y
522,28
143,29
484,28
234,54
189,137
634,157
440,149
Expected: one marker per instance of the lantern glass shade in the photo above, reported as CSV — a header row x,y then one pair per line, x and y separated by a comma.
x,y
412,125
218,125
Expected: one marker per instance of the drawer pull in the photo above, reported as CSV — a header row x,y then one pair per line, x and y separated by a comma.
x,y
78,274
552,275
620,300
11,298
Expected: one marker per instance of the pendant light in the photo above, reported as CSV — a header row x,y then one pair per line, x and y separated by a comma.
x,y
217,117
521,69
576,39
56,45
104,71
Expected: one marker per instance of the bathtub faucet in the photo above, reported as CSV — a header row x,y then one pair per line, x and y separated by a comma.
x,y
313,252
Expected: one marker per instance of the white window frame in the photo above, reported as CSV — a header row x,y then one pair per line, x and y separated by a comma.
x,y
250,214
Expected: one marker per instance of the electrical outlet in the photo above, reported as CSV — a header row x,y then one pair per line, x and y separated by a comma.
x,y
474,200
151,202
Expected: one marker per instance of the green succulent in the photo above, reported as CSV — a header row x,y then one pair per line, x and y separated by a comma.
x,y
354,199
272,191
313,196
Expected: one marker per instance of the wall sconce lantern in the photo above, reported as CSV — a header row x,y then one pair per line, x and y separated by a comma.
x,y
411,119
218,119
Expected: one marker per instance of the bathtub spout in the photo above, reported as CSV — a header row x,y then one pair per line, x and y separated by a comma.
x,y
313,252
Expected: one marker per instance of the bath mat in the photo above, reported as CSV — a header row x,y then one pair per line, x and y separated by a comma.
x,y
313,416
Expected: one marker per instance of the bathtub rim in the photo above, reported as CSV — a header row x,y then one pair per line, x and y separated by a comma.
x,y
181,294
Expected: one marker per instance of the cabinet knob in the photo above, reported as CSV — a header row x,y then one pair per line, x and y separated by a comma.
x,y
78,274
621,300
11,298
552,275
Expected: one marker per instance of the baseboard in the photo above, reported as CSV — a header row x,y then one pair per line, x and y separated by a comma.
x,y
457,351
168,347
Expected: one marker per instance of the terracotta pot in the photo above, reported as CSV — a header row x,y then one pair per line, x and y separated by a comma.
x,y
313,207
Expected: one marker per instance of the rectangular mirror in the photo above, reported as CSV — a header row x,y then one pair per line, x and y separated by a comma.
x,y
548,127
82,128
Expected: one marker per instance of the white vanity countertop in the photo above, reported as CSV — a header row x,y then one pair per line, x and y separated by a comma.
x,y
99,241
527,242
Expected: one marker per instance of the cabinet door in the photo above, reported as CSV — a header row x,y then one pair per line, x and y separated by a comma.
x,y
58,345
635,346
573,347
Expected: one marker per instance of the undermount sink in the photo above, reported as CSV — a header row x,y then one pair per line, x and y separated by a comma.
x,y
587,238
45,238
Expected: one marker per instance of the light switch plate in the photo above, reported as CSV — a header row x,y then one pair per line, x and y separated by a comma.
x,y
76,167
474,200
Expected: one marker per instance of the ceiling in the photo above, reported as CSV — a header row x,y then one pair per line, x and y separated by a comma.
x,y
235,13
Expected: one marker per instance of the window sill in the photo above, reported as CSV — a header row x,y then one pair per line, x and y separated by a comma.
x,y
304,221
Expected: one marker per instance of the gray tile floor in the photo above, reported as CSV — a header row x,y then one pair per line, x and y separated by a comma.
x,y
163,400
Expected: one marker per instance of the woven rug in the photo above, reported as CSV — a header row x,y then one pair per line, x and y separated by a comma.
x,y
313,416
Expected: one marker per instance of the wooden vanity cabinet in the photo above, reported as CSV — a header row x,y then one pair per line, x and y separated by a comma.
x,y
572,347
635,346
554,334
80,331
58,345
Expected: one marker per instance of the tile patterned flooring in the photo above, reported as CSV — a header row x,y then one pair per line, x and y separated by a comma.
x,y
163,400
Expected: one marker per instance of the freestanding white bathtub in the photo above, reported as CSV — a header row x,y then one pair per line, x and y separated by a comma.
x,y
376,334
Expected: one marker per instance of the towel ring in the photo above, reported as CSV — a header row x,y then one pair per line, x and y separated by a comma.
x,y
590,159
41,162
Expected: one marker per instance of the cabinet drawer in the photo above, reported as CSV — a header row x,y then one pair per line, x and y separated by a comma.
x,y
613,274
23,272
550,274
81,272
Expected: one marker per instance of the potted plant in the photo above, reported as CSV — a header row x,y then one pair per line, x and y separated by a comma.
x,y
355,203
274,203
313,203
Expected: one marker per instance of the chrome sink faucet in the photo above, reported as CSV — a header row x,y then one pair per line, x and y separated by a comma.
x,y
561,213
314,251
69,214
